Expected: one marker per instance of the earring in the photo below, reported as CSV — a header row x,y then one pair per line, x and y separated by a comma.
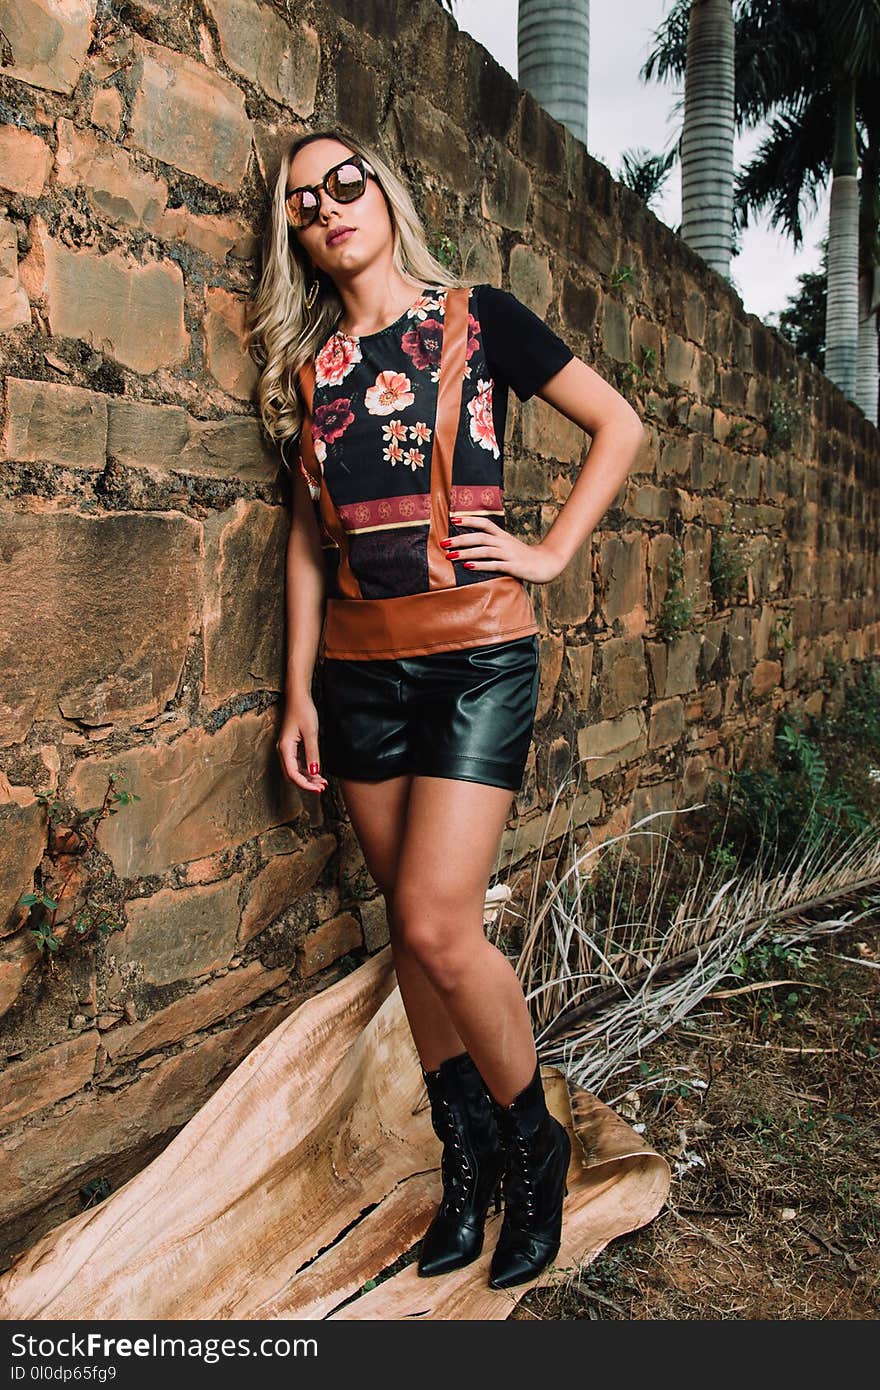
x,y
312,294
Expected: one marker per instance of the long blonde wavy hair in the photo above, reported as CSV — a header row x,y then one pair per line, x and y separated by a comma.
x,y
282,332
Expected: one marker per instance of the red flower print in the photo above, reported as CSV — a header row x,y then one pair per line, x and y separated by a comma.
x,y
424,344
333,419
413,459
391,391
336,359
482,423
473,341
420,431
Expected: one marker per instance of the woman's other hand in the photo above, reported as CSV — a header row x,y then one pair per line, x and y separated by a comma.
x,y
297,745
490,547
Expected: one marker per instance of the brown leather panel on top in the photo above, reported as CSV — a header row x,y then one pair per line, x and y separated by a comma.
x,y
453,357
466,615
346,579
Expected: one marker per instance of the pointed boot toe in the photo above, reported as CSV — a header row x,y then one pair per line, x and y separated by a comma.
x,y
537,1155
463,1119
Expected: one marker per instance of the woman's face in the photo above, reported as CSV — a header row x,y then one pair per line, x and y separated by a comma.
x,y
367,215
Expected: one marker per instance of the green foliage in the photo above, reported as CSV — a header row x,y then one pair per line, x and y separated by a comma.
x,y
72,839
783,416
726,567
802,321
677,611
813,788
445,250
621,275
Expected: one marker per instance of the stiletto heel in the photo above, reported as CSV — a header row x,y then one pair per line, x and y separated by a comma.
x,y
471,1165
537,1154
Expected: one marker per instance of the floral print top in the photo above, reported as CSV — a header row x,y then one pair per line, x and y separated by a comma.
x,y
373,413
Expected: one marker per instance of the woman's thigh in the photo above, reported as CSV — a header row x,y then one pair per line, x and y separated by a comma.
x,y
451,836
377,811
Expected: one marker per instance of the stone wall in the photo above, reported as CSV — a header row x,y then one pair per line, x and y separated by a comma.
x,y
143,526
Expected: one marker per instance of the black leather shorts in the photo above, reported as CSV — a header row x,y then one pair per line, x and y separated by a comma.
x,y
466,714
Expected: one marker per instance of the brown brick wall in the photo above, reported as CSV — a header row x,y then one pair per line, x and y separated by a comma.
x,y
142,528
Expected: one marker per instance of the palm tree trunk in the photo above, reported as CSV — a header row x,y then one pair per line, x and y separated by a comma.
x,y
553,58
707,137
868,372
842,311
868,382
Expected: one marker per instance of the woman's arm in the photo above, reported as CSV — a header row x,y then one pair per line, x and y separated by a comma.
x,y
297,743
584,397
304,590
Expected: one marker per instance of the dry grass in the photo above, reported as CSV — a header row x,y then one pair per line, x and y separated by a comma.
x,y
771,1127
729,1013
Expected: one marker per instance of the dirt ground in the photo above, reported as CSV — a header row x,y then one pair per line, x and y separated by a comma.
x,y
766,1106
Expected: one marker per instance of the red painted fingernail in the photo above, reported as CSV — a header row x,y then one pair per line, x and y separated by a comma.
x,y
468,566
446,542
452,554
313,768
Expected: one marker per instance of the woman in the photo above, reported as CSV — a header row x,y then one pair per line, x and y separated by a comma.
x,y
389,376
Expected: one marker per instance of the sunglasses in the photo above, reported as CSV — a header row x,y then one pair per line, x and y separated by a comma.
x,y
344,182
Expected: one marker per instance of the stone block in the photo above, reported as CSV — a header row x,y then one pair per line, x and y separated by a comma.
x,y
623,576
199,1009
23,828
666,723
228,361
25,161
51,423
244,599
623,676
110,648
47,1076
131,312
281,56
15,306
189,117
611,743
284,879
328,942
178,933
47,41
200,793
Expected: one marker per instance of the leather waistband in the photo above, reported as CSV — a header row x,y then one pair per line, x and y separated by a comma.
x,y
464,615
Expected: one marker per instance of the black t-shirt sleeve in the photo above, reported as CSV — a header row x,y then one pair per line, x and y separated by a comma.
x,y
521,349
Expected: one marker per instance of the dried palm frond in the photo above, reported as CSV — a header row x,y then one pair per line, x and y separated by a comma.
x,y
600,992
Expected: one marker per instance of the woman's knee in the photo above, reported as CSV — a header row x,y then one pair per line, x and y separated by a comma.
x,y
439,931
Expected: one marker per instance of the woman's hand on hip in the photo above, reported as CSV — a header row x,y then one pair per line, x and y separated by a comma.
x,y
489,547
297,744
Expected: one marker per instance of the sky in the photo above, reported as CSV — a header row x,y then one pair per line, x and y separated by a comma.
x,y
626,113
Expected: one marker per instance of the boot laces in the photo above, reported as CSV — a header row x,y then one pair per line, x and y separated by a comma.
x,y
517,1181
455,1166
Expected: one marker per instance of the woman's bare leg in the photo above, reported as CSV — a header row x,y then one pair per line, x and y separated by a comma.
x,y
377,811
449,846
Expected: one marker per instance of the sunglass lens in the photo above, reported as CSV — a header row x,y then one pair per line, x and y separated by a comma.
x,y
346,183
301,208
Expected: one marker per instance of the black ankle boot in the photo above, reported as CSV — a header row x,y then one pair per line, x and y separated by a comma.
x,y
463,1119
537,1153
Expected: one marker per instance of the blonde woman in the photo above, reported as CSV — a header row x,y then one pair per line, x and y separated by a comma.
x,y
384,381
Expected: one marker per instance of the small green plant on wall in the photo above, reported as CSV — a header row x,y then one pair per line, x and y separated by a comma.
x,y
726,567
783,416
445,250
677,611
622,275
782,633
72,837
